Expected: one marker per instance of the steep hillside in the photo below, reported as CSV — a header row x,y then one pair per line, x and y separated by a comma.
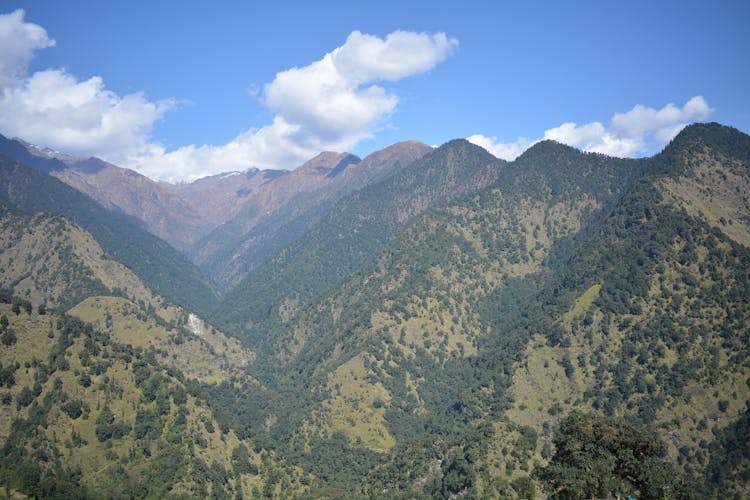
x,y
24,153
162,268
350,233
162,212
86,416
283,209
710,177
176,339
48,260
54,264
442,365
218,198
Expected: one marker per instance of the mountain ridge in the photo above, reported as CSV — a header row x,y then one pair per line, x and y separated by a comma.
x,y
165,270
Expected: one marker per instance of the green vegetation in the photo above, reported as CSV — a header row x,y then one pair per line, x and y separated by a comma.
x,y
134,430
599,457
353,231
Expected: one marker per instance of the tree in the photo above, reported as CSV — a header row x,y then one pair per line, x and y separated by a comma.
x,y
601,457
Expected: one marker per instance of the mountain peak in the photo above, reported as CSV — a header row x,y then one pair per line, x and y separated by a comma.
x,y
547,148
693,138
327,161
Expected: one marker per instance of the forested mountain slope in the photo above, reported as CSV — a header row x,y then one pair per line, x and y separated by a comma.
x,y
85,416
459,328
350,233
441,364
112,407
161,267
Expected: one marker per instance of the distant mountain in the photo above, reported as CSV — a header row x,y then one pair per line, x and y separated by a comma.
x,y
283,209
163,213
255,200
218,198
161,267
24,153
227,223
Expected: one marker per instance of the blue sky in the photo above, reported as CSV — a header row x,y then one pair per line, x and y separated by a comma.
x,y
179,90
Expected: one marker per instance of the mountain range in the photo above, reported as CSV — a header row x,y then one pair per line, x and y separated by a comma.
x,y
422,322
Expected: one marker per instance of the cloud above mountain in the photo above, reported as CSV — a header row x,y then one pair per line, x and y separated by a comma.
x,y
333,103
641,130
330,104
54,108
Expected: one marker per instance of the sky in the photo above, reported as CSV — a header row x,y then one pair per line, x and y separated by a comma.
x,y
178,90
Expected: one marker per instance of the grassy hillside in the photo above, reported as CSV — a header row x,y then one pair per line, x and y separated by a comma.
x,y
87,416
49,260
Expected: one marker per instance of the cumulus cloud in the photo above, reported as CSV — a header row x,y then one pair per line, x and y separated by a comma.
x,y
18,41
505,150
638,131
55,109
332,103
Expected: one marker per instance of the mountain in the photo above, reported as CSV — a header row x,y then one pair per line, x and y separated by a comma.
x,y
160,266
163,213
111,407
218,198
228,223
563,325
283,209
28,155
352,231
437,358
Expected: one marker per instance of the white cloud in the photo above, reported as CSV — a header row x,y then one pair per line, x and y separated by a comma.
x,y
331,100
332,103
53,108
639,131
505,150
18,41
